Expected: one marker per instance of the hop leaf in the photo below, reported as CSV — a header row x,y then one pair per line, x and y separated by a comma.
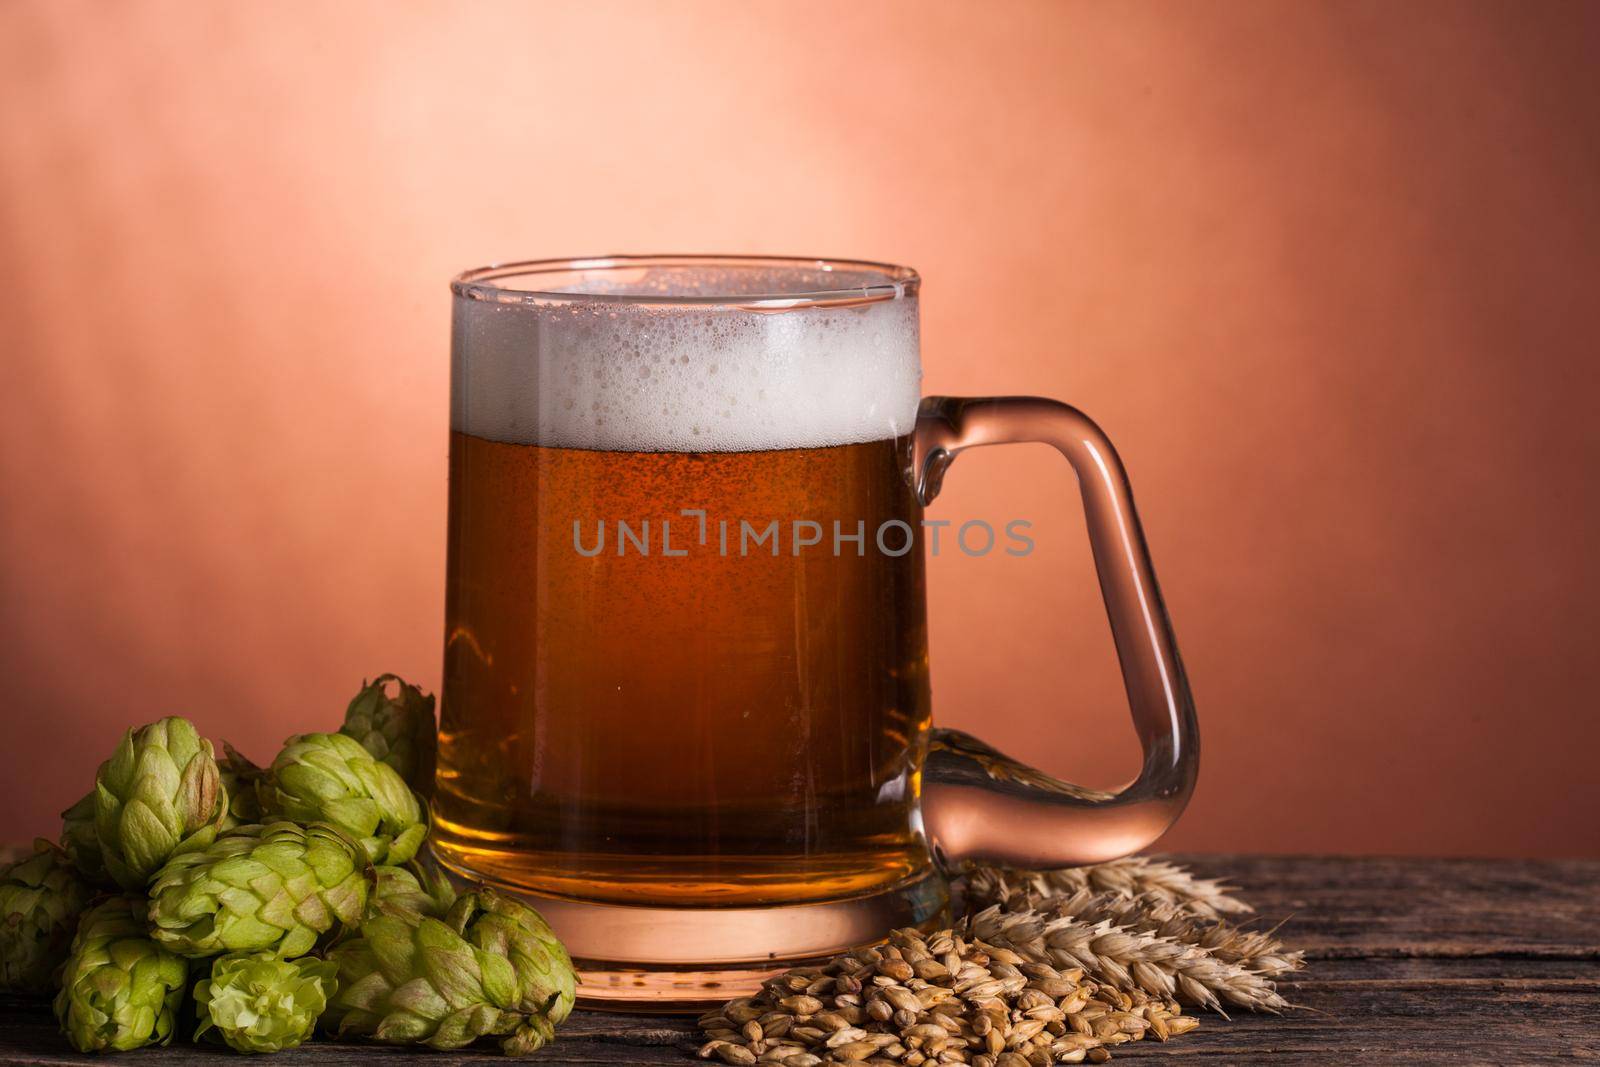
x,y
119,989
157,796
260,1003
331,778
399,730
491,967
41,898
82,844
275,888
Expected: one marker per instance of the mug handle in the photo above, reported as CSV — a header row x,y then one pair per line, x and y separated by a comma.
x,y
979,806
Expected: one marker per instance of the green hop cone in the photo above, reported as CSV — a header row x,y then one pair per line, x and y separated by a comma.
x,y
82,844
415,889
259,1003
119,989
331,778
508,927
399,730
157,796
240,779
41,897
491,967
275,888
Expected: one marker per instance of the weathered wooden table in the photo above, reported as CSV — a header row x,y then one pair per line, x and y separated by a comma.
x,y
1411,961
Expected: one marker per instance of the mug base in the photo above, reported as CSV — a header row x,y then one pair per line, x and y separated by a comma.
x,y
644,959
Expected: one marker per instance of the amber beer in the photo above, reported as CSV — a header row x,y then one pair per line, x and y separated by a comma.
x,y
691,715
636,727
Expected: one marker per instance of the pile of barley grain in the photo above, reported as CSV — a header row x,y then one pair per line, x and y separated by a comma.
x,y
1058,967
933,999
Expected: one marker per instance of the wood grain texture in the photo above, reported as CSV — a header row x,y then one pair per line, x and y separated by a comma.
x,y
1413,961
1380,907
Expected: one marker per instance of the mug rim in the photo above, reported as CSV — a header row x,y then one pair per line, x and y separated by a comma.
x,y
893,282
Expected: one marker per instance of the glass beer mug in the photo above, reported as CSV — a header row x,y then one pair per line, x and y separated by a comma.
x,y
686,701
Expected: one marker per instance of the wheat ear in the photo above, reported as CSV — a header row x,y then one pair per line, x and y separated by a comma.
x,y
1132,876
1129,959
1252,950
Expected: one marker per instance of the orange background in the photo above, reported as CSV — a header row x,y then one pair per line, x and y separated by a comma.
x,y
1325,272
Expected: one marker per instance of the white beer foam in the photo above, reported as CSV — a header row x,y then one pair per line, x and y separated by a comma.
x,y
628,377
